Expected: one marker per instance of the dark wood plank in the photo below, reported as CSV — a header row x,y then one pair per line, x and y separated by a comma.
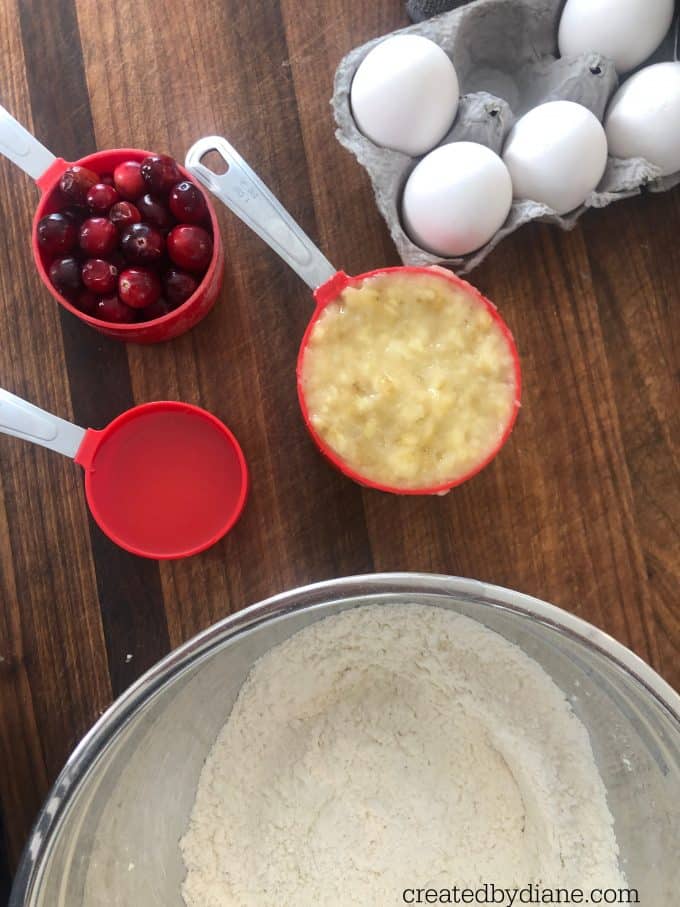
x,y
51,36
633,249
580,509
5,876
54,677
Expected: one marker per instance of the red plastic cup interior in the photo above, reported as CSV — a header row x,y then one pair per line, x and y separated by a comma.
x,y
106,162
164,480
328,293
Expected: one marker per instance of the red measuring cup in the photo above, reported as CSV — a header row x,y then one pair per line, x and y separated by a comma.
x,y
164,480
17,144
246,195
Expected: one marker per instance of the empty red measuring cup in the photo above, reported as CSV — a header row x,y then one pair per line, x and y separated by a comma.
x,y
164,480
17,144
246,195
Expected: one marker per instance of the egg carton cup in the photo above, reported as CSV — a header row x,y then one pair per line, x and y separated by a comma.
x,y
504,52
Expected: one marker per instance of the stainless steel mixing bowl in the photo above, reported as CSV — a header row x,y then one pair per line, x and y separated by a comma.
x,y
108,834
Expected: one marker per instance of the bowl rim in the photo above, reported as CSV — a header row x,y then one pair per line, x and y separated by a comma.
x,y
87,752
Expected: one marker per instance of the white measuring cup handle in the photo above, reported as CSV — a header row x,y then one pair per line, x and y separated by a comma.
x,y
17,144
22,419
241,190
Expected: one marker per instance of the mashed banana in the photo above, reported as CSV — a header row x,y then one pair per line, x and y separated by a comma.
x,y
409,380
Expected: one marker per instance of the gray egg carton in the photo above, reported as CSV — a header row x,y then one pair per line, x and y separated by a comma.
x,y
504,52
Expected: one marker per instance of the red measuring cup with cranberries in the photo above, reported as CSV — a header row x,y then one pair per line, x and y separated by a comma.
x,y
124,239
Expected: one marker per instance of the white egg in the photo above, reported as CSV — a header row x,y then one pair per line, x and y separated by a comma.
x,y
556,155
405,94
626,31
456,198
643,119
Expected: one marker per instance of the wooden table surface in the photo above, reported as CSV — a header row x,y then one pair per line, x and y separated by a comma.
x,y
581,509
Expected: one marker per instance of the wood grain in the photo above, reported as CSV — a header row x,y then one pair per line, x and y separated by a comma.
x,y
53,669
581,509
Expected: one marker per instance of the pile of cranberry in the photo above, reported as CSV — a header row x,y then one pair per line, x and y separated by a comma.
x,y
128,246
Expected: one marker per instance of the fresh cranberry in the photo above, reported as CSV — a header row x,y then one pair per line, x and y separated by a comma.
x,y
110,308
159,308
179,286
76,182
99,276
101,197
122,214
107,179
190,247
127,178
142,244
160,173
86,301
57,234
188,204
65,275
98,237
154,212
139,287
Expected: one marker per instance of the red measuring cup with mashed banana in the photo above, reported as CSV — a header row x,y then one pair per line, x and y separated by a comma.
x,y
408,378
162,320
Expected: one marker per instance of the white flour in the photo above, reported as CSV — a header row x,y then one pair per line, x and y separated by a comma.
x,y
392,747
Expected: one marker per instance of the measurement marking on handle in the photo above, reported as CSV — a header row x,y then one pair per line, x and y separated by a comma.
x,y
16,149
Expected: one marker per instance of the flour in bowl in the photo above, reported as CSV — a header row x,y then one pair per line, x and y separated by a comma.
x,y
393,747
